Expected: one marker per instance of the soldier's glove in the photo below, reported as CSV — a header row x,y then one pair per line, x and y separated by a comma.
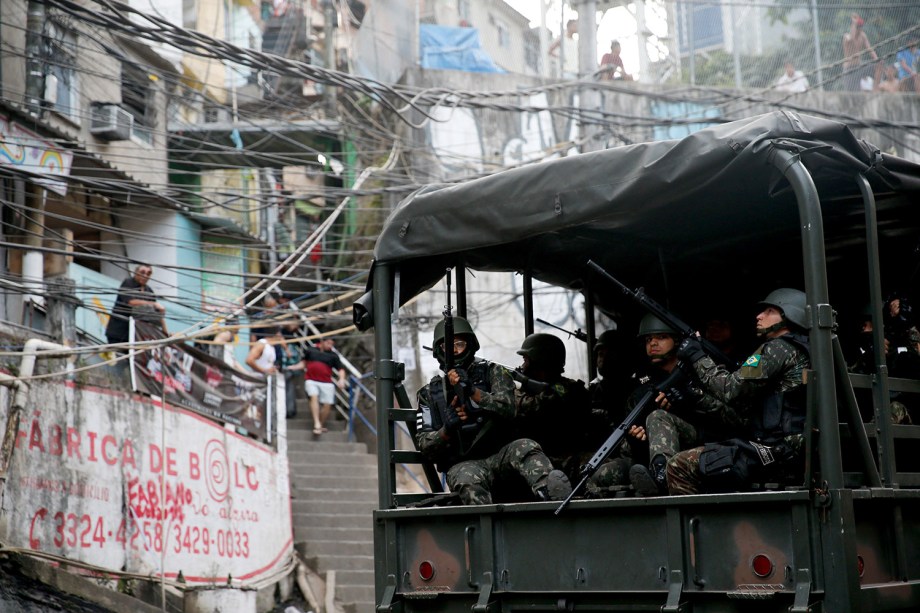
x,y
453,422
675,395
464,378
690,350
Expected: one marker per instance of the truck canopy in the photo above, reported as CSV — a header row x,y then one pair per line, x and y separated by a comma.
x,y
711,192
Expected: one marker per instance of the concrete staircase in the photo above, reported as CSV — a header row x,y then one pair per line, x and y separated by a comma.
x,y
334,491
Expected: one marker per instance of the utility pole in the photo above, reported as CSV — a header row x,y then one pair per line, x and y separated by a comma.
x,y
329,18
589,96
35,70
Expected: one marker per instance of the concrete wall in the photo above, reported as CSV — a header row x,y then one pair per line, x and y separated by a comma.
x,y
115,480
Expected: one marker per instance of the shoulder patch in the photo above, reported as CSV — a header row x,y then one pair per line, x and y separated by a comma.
x,y
753,361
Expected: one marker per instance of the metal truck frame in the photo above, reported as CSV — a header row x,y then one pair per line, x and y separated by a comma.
x,y
845,540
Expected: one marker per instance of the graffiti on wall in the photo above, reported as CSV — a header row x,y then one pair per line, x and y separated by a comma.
x,y
461,140
94,482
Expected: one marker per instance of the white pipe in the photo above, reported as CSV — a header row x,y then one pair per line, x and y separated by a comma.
x,y
23,386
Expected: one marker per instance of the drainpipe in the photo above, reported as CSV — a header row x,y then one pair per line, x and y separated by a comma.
x,y
22,385
35,70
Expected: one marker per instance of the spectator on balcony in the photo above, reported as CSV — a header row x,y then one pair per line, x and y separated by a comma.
x,y
908,61
612,65
792,81
855,47
889,82
567,47
135,298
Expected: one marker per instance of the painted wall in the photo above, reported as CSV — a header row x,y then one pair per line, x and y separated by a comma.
x,y
115,480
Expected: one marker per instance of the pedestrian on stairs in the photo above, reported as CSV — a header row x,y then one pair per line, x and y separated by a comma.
x,y
318,365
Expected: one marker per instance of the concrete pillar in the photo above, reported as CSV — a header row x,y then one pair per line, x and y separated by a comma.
x,y
62,309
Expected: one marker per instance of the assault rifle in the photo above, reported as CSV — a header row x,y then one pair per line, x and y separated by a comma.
x,y
615,440
578,333
449,347
649,304
528,385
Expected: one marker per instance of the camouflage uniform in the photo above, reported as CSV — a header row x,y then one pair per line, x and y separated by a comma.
x,y
475,479
692,417
613,474
559,419
483,452
776,367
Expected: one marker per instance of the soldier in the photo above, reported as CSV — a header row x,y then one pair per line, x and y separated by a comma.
x,y
471,438
609,390
685,417
557,415
903,335
769,388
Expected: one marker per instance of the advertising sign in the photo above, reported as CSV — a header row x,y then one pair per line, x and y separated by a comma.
x,y
193,379
124,483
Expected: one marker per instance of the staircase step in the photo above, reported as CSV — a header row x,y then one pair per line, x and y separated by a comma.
x,y
309,533
320,457
333,436
333,497
312,549
333,521
305,442
349,578
343,483
351,470
341,562
360,607
353,593
325,506
333,494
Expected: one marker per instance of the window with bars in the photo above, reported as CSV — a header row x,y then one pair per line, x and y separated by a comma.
x,y
137,97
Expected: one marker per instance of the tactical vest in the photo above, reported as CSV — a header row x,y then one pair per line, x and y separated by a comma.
x,y
783,413
474,437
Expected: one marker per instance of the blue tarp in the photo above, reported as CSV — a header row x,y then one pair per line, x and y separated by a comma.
x,y
449,48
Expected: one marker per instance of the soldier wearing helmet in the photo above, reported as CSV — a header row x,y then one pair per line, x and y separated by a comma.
x,y
609,390
557,414
686,416
471,438
768,391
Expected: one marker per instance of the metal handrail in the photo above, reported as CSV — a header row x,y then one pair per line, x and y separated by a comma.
x,y
355,383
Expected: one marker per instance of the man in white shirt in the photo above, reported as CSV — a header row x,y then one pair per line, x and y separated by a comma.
x,y
567,47
792,81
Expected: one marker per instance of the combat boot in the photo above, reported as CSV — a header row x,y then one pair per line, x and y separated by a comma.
x,y
558,487
651,481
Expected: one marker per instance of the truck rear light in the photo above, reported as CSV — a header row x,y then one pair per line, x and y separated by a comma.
x,y
860,566
762,565
426,570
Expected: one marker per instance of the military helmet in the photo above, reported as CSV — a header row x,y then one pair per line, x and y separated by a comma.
x,y
461,326
608,339
544,350
652,325
791,302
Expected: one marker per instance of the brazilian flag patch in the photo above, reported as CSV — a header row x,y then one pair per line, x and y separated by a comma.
x,y
753,361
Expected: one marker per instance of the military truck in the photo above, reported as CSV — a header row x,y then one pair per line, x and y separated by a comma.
x,y
718,218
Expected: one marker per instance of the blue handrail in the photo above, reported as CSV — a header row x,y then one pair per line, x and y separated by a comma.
x,y
355,386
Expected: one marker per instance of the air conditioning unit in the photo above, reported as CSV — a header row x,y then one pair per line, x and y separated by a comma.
x,y
110,122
